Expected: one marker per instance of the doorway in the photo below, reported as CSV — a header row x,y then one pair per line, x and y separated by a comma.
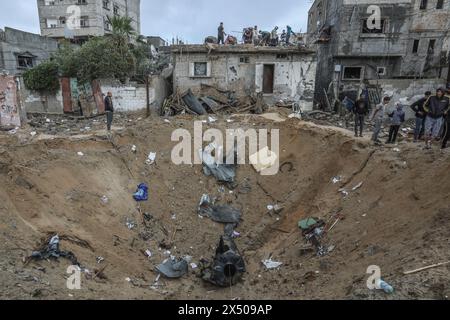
x,y
268,78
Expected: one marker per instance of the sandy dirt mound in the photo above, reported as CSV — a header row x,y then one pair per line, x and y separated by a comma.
x,y
398,219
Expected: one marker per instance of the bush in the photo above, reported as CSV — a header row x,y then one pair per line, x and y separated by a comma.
x,y
43,78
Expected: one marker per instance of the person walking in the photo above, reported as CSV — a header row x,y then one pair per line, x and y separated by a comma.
x,y
418,108
397,119
361,110
109,109
379,115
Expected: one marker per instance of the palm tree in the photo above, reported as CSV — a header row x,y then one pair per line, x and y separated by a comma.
x,y
122,27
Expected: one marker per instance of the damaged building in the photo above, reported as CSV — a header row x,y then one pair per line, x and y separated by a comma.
x,y
280,73
20,51
80,19
406,49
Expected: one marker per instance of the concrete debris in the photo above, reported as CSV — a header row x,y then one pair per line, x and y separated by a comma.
x,y
264,159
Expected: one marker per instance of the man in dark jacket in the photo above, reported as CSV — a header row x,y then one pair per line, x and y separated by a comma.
x,y
221,34
447,122
418,108
436,107
109,108
361,110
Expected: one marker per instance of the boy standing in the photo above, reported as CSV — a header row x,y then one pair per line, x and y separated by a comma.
x,y
397,118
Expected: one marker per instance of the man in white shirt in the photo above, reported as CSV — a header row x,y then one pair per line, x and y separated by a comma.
x,y
379,115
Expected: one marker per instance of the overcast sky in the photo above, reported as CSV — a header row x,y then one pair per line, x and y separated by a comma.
x,y
190,20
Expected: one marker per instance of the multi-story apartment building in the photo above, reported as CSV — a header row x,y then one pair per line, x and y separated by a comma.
x,y
80,19
409,40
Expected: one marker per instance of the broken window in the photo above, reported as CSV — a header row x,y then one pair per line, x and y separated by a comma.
x,y
416,46
84,22
25,61
423,4
440,4
244,60
282,56
369,28
106,24
431,46
381,71
352,73
200,69
52,23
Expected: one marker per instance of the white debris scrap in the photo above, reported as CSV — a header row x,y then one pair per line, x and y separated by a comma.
x,y
270,264
151,158
357,186
336,179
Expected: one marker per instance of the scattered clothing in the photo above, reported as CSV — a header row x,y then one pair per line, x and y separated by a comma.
x,y
141,193
52,251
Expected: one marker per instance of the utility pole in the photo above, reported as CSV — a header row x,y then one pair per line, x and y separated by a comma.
x,y
147,89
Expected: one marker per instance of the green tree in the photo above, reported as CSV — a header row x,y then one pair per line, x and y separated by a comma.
x,y
68,60
43,78
122,27
103,58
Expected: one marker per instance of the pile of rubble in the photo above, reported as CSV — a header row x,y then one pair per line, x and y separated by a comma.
x,y
212,100
69,125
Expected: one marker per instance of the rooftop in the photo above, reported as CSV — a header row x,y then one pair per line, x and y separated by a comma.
x,y
240,48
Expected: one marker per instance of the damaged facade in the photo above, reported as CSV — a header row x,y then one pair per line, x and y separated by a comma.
x,y
410,42
280,73
58,18
20,51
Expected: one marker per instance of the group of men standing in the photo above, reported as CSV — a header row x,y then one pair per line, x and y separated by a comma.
x,y
259,38
432,118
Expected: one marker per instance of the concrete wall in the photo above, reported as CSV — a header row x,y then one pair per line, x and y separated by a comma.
x,y
36,102
409,91
9,108
93,9
133,97
294,74
14,42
